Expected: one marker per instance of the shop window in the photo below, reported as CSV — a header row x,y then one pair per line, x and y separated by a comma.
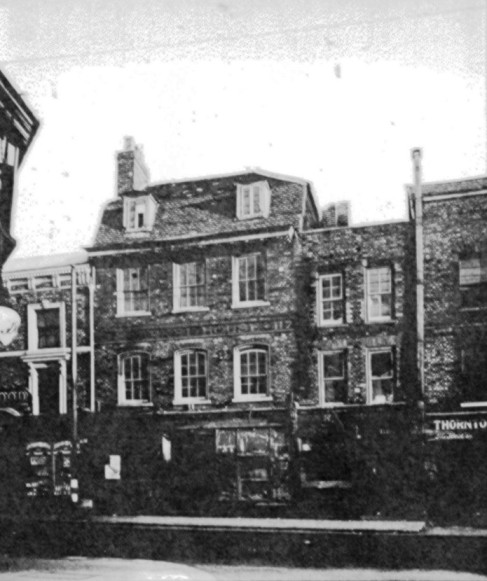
x,y
333,377
381,376
189,286
379,294
191,374
134,379
473,281
330,299
132,291
49,469
251,370
261,462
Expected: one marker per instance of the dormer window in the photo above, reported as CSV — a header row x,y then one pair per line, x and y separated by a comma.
x,y
253,200
139,213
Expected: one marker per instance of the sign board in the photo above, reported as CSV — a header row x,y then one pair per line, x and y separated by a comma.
x,y
458,426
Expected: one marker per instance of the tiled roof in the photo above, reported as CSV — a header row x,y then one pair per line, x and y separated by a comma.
x,y
204,207
460,186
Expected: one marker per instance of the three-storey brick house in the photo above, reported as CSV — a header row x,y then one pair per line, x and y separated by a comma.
x,y
196,312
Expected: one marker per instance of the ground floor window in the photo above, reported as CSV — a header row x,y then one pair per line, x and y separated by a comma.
x,y
381,371
261,460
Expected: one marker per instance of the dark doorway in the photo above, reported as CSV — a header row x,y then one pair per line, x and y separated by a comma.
x,y
48,385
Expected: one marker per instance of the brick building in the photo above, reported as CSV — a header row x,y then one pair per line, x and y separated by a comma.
x,y
234,344
455,332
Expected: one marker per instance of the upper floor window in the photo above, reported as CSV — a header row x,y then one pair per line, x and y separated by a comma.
x,y
46,324
251,371
379,294
330,299
132,291
189,286
473,281
333,377
191,374
138,213
381,376
473,380
253,200
248,280
133,379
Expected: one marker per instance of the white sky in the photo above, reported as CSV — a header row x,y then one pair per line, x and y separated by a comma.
x,y
333,91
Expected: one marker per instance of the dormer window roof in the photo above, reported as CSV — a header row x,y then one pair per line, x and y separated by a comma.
x,y
253,200
138,212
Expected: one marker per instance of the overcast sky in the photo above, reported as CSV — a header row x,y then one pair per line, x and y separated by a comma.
x,y
333,91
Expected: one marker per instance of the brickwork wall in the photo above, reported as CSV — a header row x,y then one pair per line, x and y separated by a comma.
x,y
218,330
452,227
350,251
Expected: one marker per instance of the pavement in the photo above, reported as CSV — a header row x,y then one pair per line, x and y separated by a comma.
x,y
287,524
284,524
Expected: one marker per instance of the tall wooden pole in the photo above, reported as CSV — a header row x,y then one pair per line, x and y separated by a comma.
x,y
74,365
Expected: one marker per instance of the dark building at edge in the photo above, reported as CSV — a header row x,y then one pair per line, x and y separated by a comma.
x,y
235,349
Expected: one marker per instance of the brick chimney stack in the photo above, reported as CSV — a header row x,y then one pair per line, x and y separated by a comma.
x,y
132,171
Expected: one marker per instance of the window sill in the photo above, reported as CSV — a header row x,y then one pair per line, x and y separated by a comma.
x,y
250,304
251,399
253,217
474,309
474,404
178,311
189,401
322,324
135,404
134,314
384,320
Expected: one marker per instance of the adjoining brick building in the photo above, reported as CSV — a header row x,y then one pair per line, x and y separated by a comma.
x,y
455,333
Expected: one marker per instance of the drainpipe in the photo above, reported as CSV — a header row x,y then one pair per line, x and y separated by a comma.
x,y
418,206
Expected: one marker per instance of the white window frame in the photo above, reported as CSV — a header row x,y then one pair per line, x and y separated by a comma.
x,y
471,403
178,380
321,375
122,399
368,294
121,310
256,191
322,322
32,329
370,354
237,383
177,308
142,205
236,302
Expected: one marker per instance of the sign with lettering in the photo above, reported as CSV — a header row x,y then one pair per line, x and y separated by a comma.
x,y
456,426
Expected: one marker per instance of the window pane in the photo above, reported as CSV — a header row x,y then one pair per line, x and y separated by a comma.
x,y
257,205
333,365
325,288
381,364
48,328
